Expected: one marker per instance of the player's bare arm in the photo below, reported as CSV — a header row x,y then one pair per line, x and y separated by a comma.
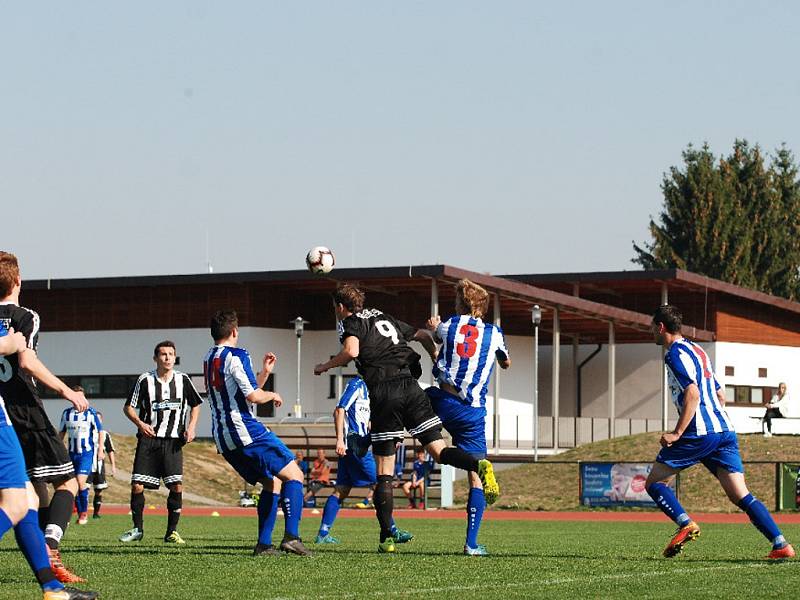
x,y
191,428
146,429
101,444
338,420
260,396
426,340
32,366
349,351
690,404
267,365
13,342
721,396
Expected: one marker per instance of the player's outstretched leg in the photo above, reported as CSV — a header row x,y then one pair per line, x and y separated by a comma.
x,y
58,518
666,500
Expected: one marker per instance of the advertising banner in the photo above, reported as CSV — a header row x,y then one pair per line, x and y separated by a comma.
x,y
615,484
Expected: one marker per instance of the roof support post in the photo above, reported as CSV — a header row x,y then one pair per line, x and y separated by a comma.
x,y
496,388
664,382
556,373
612,377
434,312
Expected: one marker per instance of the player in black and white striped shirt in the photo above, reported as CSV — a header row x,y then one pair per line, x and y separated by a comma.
x,y
158,405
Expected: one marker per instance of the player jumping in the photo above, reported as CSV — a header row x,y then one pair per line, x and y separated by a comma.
x,y
389,366
703,434
465,364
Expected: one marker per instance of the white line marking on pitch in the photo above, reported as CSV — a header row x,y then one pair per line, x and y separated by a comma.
x,y
552,582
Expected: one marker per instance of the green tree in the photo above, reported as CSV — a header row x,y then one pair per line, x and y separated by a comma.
x,y
735,219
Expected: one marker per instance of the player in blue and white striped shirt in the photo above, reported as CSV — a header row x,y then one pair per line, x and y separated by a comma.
x,y
703,434
257,454
356,466
81,429
466,360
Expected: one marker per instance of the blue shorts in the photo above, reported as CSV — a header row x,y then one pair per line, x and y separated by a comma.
x,y
266,456
82,462
713,450
467,424
12,462
353,471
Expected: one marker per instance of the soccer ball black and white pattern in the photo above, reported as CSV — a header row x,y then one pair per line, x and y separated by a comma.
x,y
320,260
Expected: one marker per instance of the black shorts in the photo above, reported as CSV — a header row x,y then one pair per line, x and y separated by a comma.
x,y
46,457
396,404
98,476
156,459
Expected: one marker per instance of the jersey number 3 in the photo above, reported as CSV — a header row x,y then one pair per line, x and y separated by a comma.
x,y
469,346
216,373
5,370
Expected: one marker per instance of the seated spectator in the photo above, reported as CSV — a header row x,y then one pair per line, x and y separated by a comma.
x,y
419,471
777,408
320,475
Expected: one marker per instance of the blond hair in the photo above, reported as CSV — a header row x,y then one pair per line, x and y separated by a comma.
x,y
471,299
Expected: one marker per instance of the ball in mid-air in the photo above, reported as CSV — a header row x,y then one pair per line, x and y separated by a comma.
x,y
320,260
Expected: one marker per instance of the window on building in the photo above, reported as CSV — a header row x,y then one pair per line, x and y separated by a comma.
x,y
267,410
747,395
729,371
332,384
762,372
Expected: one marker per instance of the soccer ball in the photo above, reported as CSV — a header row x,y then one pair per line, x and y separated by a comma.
x,y
320,260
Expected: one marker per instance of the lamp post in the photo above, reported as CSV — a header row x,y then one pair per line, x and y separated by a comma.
x,y
299,323
536,318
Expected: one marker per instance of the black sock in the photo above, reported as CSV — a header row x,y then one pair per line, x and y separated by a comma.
x,y
459,459
44,517
97,502
384,503
174,503
60,512
137,510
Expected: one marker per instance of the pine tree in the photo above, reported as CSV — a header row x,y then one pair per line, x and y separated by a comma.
x,y
736,219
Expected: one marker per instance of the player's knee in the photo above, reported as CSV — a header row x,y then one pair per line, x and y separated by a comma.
x,y
137,488
176,487
15,507
70,485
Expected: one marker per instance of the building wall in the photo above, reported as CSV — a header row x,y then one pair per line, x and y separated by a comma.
x,y
638,376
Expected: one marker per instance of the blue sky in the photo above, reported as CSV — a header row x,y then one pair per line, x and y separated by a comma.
x,y
501,137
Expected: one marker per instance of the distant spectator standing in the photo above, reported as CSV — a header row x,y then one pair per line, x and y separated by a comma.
x,y
320,475
777,408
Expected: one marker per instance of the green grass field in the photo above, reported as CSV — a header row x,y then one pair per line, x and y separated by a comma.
x,y
542,559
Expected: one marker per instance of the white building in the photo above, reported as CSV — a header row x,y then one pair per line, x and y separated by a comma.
x,y
101,333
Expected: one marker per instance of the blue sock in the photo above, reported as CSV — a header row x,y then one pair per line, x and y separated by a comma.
x,y
665,498
760,517
267,513
292,506
82,499
328,515
394,527
5,523
30,540
476,503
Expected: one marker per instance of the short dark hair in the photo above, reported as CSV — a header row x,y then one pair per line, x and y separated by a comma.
x,y
223,323
164,344
350,296
670,316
